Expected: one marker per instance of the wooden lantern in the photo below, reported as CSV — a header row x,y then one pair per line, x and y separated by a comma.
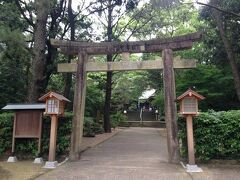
x,y
55,103
189,102
189,108
54,107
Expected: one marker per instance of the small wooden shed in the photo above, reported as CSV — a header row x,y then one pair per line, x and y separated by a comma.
x,y
27,121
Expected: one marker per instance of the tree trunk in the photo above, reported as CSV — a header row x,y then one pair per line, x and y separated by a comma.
x,y
228,47
68,77
39,59
107,106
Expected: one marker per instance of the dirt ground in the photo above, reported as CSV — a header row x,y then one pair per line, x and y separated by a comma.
x,y
26,170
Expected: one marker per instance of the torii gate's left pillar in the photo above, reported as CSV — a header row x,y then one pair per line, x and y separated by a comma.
x,y
78,106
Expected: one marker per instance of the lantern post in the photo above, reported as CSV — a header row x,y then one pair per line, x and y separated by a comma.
x,y
189,108
55,104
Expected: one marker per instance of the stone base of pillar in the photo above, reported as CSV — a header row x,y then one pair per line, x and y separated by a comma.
x,y
50,164
193,168
12,159
38,160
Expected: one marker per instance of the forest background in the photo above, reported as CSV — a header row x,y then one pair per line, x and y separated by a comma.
x,y
28,62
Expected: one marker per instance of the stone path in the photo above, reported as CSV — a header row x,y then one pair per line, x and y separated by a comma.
x,y
25,170
135,154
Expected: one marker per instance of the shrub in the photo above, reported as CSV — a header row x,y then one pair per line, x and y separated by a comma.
x,y
28,147
216,135
118,119
6,128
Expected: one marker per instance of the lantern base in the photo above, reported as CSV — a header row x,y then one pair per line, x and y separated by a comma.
x,y
193,168
50,164
12,159
38,160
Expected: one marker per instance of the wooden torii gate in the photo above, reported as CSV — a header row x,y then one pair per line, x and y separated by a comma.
x,y
168,63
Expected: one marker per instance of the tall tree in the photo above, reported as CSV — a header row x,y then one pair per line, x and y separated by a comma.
x,y
14,56
39,58
68,76
113,10
231,55
222,33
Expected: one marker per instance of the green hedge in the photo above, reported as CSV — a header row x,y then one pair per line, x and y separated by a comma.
x,y
28,147
216,135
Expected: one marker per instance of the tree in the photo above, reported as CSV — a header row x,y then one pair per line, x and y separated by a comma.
x,y
228,30
14,56
114,10
39,58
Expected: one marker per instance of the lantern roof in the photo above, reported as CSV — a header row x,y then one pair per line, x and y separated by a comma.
x,y
190,93
53,94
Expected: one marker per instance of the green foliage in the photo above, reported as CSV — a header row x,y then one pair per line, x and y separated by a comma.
x,y
28,147
118,119
91,128
216,135
127,89
14,56
159,101
6,125
212,82
95,94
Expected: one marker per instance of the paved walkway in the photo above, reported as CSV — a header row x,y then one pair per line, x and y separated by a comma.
x,y
134,154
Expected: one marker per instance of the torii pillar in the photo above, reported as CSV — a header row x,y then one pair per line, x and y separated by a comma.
x,y
170,106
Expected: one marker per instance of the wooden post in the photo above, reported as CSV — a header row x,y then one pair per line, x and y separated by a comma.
x,y
78,107
40,134
191,157
53,138
14,132
170,106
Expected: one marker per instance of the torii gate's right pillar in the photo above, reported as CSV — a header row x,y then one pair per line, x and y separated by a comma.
x,y
170,106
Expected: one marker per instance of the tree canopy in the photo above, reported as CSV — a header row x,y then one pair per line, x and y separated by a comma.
x,y
28,61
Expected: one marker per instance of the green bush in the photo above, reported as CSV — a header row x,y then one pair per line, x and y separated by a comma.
x,y
28,147
6,128
118,119
216,135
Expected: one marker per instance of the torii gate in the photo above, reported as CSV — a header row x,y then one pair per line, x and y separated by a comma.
x,y
167,63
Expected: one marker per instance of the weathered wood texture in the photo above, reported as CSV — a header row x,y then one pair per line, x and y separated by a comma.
x,y
14,130
156,45
191,156
53,138
170,106
28,124
126,65
78,107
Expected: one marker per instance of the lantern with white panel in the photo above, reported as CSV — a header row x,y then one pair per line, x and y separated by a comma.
x,y
55,104
189,102
189,108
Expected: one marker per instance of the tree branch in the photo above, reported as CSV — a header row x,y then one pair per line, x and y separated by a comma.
x,y
219,9
30,22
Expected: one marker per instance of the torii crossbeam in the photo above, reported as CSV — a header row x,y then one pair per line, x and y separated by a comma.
x,y
167,63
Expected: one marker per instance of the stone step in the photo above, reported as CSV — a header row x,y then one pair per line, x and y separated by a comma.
x,y
159,124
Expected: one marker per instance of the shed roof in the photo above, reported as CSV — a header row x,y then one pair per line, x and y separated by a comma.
x,y
24,106
53,94
190,92
147,94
